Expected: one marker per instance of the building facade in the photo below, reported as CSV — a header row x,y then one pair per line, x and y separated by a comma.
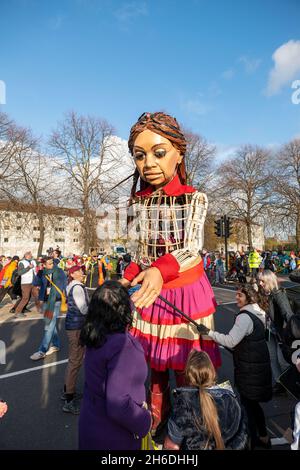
x,y
20,231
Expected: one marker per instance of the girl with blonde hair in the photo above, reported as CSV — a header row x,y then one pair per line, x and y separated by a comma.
x,y
205,416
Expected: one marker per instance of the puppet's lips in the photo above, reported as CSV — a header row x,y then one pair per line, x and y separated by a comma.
x,y
152,175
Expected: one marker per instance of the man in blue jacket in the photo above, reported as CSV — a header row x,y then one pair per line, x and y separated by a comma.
x,y
51,282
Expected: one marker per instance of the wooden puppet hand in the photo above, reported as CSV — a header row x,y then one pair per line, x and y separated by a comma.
x,y
152,282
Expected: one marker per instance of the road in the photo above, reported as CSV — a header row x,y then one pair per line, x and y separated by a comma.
x,y
32,389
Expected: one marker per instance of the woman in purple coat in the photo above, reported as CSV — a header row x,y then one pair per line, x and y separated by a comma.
x,y
114,413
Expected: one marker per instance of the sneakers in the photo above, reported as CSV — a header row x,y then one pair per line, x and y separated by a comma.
x,y
51,350
71,407
77,396
20,315
37,355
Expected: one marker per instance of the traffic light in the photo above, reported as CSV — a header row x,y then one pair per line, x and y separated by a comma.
x,y
228,227
219,227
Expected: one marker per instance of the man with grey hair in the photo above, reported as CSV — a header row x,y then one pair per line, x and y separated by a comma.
x,y
26,269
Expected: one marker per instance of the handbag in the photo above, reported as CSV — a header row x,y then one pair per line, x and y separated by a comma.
x,y
148,443
64,305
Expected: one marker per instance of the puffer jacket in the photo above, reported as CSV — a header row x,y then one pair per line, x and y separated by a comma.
x,y
182,427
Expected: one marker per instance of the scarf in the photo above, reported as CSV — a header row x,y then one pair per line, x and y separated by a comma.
x,y
56,278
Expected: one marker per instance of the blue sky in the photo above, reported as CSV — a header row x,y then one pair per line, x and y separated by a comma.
x,y
206,62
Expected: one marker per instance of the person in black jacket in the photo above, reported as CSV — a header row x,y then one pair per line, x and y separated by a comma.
x,y
205,416
77,310
279,312
252,368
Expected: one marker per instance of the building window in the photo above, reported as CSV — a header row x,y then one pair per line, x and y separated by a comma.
x,y
6,214
75,240
6,227
60,218
5,240
36,229
19,216
36,240
19,227
59,240
59,229
76,230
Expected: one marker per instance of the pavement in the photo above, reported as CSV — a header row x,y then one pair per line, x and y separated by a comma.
x,y
35,420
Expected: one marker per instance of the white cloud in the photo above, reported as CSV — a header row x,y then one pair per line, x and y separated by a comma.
x,y
131,11
228,74
55,23
224,151
195,106
251,65
286,66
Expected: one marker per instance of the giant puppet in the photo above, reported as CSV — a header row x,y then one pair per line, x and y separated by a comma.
x,y
169,218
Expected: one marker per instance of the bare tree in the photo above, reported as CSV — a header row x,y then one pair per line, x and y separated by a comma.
x,y
199,160
244,186
287,187
13,139
86,160
26,178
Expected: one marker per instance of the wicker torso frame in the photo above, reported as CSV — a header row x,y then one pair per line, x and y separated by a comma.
x,y
166,224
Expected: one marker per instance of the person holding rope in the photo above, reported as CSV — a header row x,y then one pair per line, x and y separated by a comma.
x,y
167,219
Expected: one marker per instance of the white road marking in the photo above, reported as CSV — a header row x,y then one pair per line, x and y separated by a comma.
x,y
225,303
223,288
32,369
14,320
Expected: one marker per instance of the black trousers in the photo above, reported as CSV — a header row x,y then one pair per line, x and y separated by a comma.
x,y
4,291
256,418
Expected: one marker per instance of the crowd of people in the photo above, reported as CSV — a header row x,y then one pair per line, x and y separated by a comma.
x,y
242,264
130,328
99,314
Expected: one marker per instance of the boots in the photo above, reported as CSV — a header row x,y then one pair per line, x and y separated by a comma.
x,y
159,405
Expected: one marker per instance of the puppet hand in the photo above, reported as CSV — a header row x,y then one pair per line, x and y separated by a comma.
x,y
202,329
152,282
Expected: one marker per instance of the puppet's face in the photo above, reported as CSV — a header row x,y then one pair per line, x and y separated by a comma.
x,y
156,158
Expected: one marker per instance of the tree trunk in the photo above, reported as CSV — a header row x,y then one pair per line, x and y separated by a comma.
x,y
42,235
249,234
86,233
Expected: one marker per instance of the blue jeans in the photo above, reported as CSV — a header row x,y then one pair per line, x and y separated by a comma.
x,y
50,330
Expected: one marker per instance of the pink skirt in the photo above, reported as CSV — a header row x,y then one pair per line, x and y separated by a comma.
x,y
166,336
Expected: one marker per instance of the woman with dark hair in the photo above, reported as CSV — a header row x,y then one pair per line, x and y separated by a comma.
x,y
205,416
167,222
252,368
113,413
